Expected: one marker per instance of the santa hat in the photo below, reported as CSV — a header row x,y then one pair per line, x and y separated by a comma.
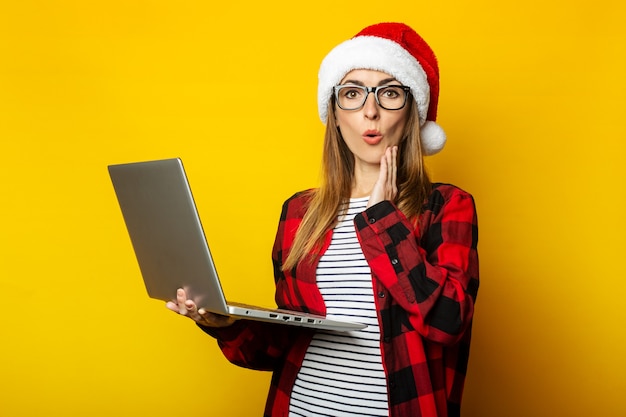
x,y
396,49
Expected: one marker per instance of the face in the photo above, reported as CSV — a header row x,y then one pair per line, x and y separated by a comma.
x,y
368,131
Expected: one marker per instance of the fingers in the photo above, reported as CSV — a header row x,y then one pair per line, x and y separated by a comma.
x,y
386,187
172,306
181,299
384,168
182,305
389,172
392,172
191,311
188,308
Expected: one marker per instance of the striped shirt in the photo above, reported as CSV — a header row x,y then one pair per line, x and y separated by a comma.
x,y
342,373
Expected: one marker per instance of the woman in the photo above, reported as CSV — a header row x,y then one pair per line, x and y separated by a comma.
x,y
375,243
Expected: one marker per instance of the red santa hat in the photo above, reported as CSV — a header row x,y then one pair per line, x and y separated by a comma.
x,y
396,49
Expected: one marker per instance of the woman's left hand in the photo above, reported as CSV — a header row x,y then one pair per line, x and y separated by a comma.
x,y
385,187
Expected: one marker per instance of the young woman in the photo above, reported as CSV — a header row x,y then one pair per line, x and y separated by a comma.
x,y
376,243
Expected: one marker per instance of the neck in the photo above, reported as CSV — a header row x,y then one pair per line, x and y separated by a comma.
x,y
364,179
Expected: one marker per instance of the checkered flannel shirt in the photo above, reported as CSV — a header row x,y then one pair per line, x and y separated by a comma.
x,y
425,284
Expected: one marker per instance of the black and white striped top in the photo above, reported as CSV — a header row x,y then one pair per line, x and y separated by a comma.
x,y
342,372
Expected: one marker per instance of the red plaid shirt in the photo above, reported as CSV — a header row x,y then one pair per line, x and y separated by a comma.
x,y
425,284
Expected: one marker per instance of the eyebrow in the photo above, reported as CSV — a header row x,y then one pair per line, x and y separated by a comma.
x,y
381,82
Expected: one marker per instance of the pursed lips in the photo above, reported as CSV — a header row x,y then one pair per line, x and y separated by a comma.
x,y
372,137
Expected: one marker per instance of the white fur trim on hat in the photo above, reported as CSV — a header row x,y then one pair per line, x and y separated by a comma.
x,y
374,53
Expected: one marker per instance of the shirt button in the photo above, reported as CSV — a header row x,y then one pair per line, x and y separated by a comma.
x,y
372,221
381,294
394,261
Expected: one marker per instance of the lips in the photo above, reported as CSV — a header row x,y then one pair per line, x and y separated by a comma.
x,y
372,137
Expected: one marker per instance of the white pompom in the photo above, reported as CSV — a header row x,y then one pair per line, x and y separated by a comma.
x,y
433,137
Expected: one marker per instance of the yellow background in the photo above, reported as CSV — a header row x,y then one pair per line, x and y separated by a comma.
x,y
533,104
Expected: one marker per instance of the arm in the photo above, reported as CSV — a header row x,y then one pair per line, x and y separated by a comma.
x,y
432,273
249,344
253,344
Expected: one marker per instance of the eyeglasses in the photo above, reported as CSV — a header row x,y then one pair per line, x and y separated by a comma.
x,y
353,97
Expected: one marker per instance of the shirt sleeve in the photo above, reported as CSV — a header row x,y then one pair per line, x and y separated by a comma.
x,y
253,344
430,271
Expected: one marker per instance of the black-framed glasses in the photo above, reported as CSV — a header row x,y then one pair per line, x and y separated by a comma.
x,y
353,97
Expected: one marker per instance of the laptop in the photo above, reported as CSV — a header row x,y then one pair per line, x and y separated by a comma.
x,y
171,248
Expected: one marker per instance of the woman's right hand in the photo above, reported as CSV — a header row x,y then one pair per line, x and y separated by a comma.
x,y
188,308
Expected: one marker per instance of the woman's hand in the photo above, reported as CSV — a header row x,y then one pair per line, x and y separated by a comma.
x,y
188,308
385,187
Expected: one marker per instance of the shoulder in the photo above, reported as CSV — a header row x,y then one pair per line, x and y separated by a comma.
x,y
296,205
448,191
443,195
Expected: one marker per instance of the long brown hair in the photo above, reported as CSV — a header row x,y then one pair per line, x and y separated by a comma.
x,y
336,185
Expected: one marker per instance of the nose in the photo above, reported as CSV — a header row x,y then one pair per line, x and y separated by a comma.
x,y
370,108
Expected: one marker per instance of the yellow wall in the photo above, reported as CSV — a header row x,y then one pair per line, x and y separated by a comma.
x,y
532,101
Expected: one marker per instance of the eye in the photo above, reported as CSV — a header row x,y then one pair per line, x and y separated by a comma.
x,y
391,92
351,93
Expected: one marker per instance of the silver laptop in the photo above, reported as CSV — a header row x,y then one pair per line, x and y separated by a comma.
x,y
171,247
